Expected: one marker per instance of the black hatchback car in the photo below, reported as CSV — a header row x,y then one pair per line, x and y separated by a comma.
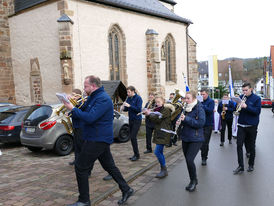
x,y
10,124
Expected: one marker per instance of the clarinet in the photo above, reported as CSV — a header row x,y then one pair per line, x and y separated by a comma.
x,y
182,113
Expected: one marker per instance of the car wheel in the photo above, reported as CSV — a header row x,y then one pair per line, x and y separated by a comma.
x,y
35,149
63,145
124,134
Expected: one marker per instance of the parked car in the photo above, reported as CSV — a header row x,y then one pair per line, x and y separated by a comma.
x,y
6,106
10,124
266,102
42,128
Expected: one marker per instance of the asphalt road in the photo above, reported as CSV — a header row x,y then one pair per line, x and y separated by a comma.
x,y
217,184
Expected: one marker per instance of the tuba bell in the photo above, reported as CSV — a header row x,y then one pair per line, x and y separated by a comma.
x,y
177,105
65,119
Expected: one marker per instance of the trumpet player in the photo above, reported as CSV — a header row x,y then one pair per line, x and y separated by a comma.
x,y
149,124
160,138
247,127
77,137
133,105
192,135
225,109
96,122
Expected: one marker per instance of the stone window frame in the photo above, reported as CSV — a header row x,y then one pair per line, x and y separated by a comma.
x,y
115,30
170,59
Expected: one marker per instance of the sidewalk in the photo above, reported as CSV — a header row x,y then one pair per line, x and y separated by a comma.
x,y
31,179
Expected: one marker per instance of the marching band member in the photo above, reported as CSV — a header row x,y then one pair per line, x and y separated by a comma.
x,y
225,109
208,105
192,135
133,105
96,117
77,137
248,121
160,137
149,125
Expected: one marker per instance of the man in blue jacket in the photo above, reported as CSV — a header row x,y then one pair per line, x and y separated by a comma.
x,y
208,105
247,127
133,105
96,123
225,109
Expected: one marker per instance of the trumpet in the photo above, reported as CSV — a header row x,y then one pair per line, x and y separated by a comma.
x,y
239,107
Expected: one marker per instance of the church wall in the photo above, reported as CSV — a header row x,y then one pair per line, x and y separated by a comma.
x,y
91,24
34,34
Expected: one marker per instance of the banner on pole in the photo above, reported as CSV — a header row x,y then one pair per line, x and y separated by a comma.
x,y
213,71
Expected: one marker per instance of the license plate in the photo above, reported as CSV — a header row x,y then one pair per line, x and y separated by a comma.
x,y
30,129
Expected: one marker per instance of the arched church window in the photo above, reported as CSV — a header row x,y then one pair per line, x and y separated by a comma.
x,y
117,62
170,59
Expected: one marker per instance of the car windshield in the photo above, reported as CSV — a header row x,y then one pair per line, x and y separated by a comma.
x,y
38,113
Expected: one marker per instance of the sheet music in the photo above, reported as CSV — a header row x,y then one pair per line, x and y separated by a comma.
x,y
225,101
236,99
62,97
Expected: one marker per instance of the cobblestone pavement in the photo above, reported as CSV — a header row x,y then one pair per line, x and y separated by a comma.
x,y
31,179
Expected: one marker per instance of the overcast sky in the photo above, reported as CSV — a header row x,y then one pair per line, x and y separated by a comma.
x,y
230,28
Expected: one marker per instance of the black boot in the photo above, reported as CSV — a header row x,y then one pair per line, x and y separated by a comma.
x,y
163,173
192,185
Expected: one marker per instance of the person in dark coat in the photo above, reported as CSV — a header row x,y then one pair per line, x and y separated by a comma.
x,y
77,137
96,123
225,109
149,125
133,105
192,135
247,127
161,116
208,105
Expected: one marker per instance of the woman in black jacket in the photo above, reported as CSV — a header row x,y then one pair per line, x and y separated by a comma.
x,y
192,121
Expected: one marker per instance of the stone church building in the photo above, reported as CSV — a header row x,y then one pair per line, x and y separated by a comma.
x,y
49,46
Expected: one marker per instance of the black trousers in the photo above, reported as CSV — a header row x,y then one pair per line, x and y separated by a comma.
x,y
191,150
90,152
77,141
227,123
149,131
134,126
205,145
248,136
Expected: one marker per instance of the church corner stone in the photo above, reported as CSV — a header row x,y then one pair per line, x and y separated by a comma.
x,y
7,87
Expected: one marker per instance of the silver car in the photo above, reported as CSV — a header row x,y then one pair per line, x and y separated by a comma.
x,y
43,128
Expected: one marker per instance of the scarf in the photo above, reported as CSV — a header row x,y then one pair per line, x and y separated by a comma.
x,y
190,106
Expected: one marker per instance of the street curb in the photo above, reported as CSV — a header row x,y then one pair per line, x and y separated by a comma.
x,y
130,179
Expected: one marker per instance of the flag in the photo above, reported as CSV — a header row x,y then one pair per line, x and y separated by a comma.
x,y
187,88
231,91
213,71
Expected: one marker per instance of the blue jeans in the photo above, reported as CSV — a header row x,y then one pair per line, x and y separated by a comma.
x,y
159,149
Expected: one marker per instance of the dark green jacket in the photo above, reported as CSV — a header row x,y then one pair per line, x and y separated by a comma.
x,y
160,137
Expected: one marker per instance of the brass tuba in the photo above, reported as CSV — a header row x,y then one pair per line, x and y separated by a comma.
x,y
177,105
65,119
